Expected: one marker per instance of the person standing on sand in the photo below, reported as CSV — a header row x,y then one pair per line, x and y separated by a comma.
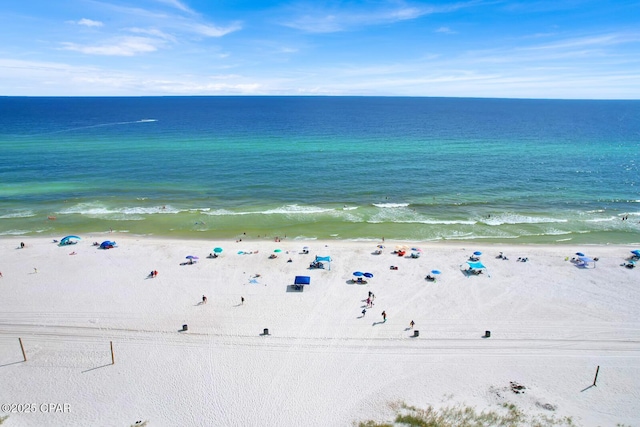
x,y
35,270
412,324
241,300
364,311
204,299
384,316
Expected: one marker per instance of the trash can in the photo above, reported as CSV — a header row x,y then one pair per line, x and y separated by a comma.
x,y
266,331
185,327
487,334
416,333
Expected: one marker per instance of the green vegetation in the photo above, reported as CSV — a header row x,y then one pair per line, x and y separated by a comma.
x,y
509,415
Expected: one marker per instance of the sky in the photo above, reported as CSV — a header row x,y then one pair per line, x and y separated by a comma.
x,y
570,49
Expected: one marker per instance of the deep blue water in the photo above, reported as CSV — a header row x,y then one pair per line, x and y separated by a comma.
x,y
318,167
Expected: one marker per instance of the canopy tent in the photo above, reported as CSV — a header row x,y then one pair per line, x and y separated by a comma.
x,y
302,280
475,268
324,259
477,265
585,261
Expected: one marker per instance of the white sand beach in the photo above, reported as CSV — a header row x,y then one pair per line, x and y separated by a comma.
x,y
552,324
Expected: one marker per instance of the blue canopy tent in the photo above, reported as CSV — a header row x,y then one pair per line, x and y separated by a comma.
x,y
300,281
324,259
475,267
585,261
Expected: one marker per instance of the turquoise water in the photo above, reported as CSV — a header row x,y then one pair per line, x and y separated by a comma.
x,y
518,171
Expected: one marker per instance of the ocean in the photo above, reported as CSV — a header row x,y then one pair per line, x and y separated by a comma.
x,y
495,170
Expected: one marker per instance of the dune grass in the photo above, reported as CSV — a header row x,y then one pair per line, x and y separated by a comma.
x,y
509,415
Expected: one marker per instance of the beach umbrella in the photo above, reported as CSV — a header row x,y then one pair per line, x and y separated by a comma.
x,y
358,273
381,246
278,250
217,250
368,275
477,253
192,257
579,254
305,248
435,271
66,239
107,244
636,252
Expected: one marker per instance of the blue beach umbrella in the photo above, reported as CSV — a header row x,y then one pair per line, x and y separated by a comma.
x,y
107,244
277,250
192,257
636,252
368,275
217,250
579,254
477,253
358,273
66,239
435,271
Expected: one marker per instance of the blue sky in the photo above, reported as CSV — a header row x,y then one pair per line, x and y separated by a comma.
x,y
496,48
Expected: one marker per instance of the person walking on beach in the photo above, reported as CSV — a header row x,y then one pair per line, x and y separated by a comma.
x,y
384,316
364,311
412,324
35,270
204,299
242,300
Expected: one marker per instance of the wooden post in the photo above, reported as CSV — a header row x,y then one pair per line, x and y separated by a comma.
x,y
113,360
22,347
596,378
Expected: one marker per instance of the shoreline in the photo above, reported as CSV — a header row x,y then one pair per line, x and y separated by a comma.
x,y
247,238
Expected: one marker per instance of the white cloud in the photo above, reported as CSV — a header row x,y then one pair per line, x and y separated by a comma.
x,y
178,5
86,22
123,46
602,40
214,31
153,32
314,19
445,30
